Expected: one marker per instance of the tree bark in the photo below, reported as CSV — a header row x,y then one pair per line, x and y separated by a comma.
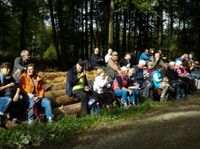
x,y
111,25
86,29
50,4
23,22
61,31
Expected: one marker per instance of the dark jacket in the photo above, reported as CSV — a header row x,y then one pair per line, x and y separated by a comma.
x,y
139,77
124,62
72,79
96,60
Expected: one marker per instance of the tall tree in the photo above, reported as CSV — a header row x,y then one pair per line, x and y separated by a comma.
x,y
111,26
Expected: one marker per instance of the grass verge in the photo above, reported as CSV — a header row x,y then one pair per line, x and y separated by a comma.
x,y
39,133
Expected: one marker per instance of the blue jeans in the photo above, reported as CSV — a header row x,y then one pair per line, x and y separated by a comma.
x,y
138,96
124,95
180,92
4,103
45,103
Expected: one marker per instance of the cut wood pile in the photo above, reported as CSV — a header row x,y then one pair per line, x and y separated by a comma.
x,y
61,103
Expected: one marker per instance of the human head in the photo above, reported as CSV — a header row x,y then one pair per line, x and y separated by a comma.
x,y
151,51
128,56
25,55
191,55
159,68
141,63
110,51
150,65
160,51
114,55
101,72
184,57
157,56
6,68
96,51
131,72
172,64
124,71
31,69
146,51
178,63
80,66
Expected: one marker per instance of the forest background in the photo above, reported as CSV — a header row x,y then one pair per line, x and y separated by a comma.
x,y
59,32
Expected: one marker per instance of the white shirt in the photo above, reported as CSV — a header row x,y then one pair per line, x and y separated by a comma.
x,y
107,57
99,83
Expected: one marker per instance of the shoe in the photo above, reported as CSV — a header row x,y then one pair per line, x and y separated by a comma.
x,y
125,106
30,121
132,104
184,97
49,120
178,97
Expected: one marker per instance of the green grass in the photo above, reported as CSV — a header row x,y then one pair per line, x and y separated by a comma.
x,y
41,132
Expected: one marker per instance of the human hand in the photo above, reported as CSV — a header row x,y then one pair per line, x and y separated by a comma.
x,y
16,98
87,88
130,92
82,74
11,84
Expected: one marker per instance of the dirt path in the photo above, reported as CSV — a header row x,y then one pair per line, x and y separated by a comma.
x,y
174,127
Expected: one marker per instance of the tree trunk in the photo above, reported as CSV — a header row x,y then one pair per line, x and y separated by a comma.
x,y
50,4
86,29
160,24
92,37
23,22
111,25
117,30
61,31
124,33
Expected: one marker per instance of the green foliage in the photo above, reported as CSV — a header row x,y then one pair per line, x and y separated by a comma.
x,y
50,53
41,132
143,5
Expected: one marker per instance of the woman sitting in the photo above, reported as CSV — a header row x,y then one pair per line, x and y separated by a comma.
x,y
120,87
159,81
175,82
32,88
103,88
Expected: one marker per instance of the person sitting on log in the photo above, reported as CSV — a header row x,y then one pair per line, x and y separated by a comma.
x,y
175,82
96,59
113,67
160,81
32,89
103,88
8,89
77,86
20,64
120,87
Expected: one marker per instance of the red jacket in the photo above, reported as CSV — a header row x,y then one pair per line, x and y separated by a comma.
x,y
119,82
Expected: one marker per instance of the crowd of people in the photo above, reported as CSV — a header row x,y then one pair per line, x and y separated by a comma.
x,y
117,80
23,89
154,76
